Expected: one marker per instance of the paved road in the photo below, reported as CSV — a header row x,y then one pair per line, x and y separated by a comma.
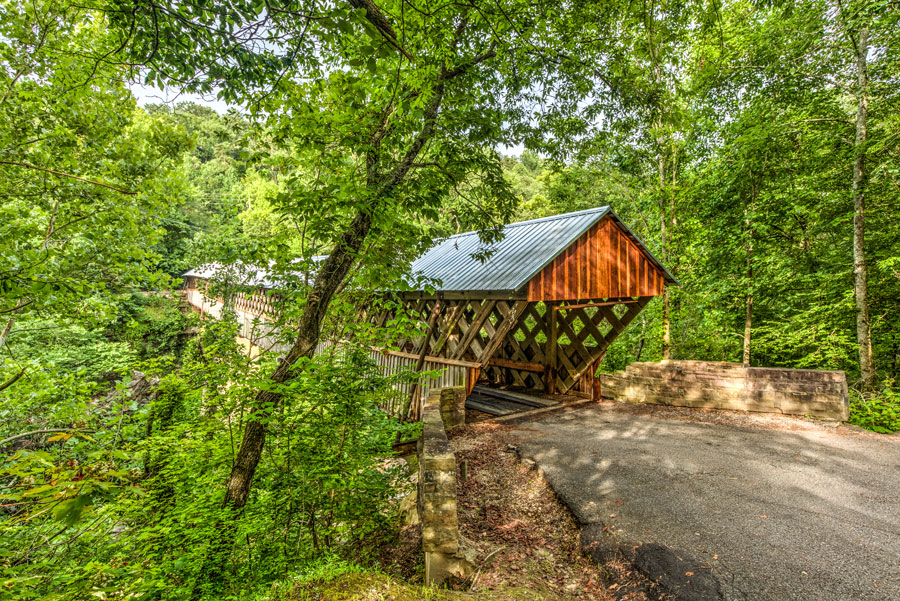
x,y
779,514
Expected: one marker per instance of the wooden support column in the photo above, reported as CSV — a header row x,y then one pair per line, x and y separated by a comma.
x,y
414,404
551,317
595,381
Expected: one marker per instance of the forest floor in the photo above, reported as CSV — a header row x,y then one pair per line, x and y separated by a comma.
x,y
527,541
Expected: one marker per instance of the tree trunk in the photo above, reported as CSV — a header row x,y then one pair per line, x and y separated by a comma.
x,y
4,334
662,168
863,334
333,271
665,234
329,279
748,322
748,311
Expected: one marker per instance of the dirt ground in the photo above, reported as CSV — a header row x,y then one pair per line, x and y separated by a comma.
x,y
526,540
525,536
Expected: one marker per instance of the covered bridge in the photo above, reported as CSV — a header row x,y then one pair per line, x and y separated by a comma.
x,y
538,313
542,309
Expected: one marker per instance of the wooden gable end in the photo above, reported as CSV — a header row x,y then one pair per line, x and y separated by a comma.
x,y
602,263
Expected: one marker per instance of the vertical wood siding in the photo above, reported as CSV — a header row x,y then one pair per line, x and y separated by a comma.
x,y
603,263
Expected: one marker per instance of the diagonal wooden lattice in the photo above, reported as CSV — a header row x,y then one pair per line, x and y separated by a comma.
x,y
585,333
549,346
470,330
558,346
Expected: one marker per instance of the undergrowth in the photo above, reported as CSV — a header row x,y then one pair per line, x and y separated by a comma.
x,y
878,412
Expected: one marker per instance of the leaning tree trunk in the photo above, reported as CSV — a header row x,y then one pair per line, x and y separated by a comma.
x,y
237,488
329,279
380,185
863,333
332,274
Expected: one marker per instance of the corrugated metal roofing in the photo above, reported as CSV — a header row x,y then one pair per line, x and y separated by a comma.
x,y
525,249
247,275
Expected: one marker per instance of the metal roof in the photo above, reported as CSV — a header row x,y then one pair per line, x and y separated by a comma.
x,y
250,275
525,249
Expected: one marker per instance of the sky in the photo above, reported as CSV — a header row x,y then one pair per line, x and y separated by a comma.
x,y
150,95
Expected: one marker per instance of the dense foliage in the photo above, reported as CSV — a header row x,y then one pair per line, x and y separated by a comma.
x,y
146,454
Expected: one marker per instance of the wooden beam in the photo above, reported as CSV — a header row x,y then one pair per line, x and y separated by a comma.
x,y
405,447
600,351
502,330
516,397
472,375
415,410
522,365
428,358
552,348
481,315
586,305
448,326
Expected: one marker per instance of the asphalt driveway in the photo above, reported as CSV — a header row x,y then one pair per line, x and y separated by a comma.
x,y
778,508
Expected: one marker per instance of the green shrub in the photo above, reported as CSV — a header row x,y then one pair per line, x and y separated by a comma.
x,y
153,324
131,505
69,347
879,412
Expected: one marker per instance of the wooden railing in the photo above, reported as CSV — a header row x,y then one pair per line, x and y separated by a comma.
x,y
453,373
259,332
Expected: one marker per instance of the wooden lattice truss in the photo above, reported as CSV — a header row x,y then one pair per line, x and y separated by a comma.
x,y
550,346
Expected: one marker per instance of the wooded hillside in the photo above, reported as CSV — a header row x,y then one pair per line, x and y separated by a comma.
x,y
754,148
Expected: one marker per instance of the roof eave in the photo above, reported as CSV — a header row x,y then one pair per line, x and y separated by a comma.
x,y
667,275
452,294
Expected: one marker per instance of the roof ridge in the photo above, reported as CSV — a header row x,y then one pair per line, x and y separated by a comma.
x,y
537,220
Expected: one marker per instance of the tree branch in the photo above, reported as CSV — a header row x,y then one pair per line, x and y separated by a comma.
x,y
12,381
468,65
33,432
60,173
378,20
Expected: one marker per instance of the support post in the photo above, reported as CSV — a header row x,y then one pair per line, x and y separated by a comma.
x,y
414,404
550,354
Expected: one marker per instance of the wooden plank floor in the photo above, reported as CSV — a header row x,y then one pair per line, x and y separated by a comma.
x,y
515,397
504,402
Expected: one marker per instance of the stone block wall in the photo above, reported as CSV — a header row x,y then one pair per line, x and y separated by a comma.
x,y
453,406
715,385
437,489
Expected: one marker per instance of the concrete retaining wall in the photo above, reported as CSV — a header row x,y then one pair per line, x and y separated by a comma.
x,y
712,385
444,556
